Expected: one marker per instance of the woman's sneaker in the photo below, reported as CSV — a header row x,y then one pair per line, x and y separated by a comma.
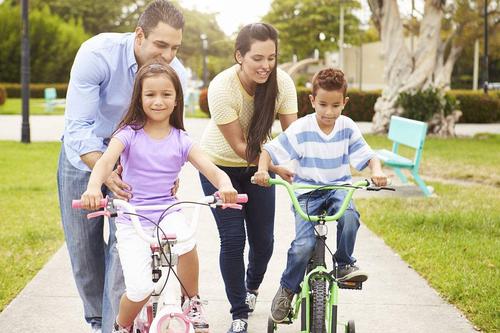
x,y
196,314
282,304
238,326
251,299
351,273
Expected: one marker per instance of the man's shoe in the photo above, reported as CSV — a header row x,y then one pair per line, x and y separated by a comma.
x,y
196,314
238,326
282,304
251,300
351,273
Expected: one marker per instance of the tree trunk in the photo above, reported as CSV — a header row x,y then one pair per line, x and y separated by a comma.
x,y
442,74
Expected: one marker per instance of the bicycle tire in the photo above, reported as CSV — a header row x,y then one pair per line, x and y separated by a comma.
x,y
317,314
271,325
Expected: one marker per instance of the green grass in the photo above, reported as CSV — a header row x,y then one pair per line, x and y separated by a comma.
x,y
37,107
29,213
453,241
467,159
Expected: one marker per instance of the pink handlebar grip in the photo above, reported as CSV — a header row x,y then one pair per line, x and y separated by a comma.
x,y
242,198
77,204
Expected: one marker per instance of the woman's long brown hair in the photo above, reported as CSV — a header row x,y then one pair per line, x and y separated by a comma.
x,y
135,116
265,94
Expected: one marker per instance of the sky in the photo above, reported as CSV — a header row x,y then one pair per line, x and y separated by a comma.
x,y
234,13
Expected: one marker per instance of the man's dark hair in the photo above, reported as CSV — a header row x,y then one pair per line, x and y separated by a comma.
x,y
160,11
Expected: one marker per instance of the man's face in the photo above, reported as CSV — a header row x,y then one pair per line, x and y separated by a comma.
x,y
163,41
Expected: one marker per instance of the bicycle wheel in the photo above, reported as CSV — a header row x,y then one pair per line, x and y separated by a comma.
x,y
318,306
271,325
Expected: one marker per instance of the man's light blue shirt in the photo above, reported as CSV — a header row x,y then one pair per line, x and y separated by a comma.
x,y
99,93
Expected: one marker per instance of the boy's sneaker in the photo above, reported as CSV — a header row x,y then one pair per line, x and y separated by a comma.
x,y
251,299
96,330
238,326
351,273
282,304
196,314
119,329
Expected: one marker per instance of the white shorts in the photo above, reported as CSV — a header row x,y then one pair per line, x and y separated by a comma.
x,y
135,253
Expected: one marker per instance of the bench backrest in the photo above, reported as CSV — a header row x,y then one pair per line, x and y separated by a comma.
x,y
408,132
50,93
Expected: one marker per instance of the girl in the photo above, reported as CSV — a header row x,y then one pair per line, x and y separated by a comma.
x,y
152,147
244,100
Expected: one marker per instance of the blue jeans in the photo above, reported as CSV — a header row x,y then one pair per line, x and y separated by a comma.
x,y
302,246
258,218
96,266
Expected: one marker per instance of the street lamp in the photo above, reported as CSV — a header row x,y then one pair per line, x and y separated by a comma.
x,y
25,73
486,65
204,46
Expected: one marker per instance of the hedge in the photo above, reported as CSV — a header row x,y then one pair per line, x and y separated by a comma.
x,y
3,95
36,89
478,107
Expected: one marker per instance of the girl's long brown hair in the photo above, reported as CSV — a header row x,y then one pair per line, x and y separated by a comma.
x,y
265,93
135,116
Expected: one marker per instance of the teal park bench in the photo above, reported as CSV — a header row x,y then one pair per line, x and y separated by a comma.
x,y
411,133
51,100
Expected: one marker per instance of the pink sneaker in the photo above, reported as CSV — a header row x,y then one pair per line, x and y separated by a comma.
x,y
196,314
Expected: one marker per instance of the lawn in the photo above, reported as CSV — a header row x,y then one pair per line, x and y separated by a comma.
x,y
29,213
452,240
37,107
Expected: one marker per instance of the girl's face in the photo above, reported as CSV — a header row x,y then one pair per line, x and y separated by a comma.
x,y
258,63
158,98
328,106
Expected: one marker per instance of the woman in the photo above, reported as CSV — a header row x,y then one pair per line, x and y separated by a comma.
x,y
244,100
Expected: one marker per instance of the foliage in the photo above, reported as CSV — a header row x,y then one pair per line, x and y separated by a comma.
x,y
300,23
36,89
3,95
423,104
53,45
203,100
478,107
29,213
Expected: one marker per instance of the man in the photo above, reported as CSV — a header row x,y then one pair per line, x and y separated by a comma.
x,y
99,93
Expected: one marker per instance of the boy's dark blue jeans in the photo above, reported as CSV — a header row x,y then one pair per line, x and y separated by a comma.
x,y
303,245
258,218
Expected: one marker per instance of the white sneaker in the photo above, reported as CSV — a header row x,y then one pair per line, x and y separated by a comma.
x,y
251,300
196,314
96,330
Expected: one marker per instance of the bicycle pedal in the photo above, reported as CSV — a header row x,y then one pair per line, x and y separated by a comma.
x,y
350,285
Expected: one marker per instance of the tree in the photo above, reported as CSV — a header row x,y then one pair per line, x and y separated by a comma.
x,y
431,64
300,23
53,45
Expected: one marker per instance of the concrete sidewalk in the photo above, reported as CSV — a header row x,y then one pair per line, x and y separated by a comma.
x,y
394,299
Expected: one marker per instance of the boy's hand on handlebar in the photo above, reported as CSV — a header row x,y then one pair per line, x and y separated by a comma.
x,y
379,178
261,178
91,199
116,185
228,194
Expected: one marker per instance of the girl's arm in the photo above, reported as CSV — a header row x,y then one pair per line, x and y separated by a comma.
x,y
215,175
100,173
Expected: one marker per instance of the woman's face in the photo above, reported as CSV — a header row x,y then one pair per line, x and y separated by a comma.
x,y
258,63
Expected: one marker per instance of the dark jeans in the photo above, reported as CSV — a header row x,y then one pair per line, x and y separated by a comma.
x,y
258,217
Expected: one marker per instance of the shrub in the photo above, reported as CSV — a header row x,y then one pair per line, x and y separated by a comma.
x,y
3,95
36,89
203,101
423,104
477,107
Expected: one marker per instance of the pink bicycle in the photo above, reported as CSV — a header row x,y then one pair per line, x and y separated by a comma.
x,y
162,313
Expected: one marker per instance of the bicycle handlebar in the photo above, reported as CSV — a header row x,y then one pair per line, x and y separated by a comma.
x,y
362,184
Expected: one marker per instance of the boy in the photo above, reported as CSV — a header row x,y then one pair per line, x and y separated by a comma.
x,y
322,145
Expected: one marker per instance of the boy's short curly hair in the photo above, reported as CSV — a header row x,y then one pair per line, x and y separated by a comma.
x,y
329,79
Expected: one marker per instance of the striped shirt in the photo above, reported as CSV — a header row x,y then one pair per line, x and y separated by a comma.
x,y
319,158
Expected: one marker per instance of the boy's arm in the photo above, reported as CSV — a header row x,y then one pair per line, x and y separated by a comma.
x,y
378,176
215,175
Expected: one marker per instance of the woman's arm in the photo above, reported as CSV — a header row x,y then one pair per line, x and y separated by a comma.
x,y
233,133
100,173
215,175
287,119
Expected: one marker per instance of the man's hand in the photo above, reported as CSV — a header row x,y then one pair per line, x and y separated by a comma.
x,y
176,187
115,184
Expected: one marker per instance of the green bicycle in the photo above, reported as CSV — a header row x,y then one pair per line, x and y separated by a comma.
x,y
316,304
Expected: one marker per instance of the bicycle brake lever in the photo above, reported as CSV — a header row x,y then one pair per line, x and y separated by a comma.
x,y
233,206
99,213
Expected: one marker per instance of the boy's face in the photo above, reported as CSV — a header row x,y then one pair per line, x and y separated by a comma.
x,y
328,106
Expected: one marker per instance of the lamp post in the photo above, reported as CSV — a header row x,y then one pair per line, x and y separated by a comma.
x,y
486,65
25,73
204,46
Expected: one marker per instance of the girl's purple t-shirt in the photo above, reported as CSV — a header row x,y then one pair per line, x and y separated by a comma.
x,y
151,166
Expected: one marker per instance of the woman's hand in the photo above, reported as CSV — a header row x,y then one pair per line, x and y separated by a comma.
x,y
261,178
228,194
116,185
91,198
284,173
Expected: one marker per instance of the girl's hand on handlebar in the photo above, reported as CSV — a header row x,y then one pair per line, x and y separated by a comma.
x,y
379,178
91,199
261,178
228,194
